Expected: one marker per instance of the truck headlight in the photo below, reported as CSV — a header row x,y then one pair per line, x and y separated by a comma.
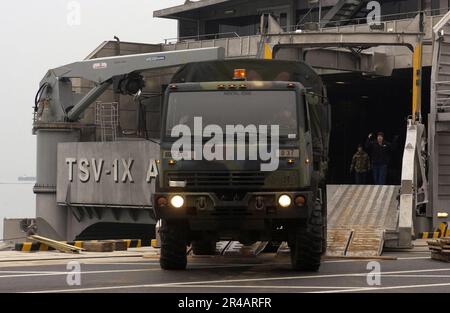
x,y
177,202
285,201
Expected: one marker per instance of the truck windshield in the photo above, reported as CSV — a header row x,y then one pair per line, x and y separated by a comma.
x,y
224,108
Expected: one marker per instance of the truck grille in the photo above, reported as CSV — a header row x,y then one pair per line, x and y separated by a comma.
x,y
219,179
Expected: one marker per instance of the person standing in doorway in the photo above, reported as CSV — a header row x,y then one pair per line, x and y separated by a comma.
x,y
360,166
380,151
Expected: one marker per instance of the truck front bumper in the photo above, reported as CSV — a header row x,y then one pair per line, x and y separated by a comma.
x,y
253,206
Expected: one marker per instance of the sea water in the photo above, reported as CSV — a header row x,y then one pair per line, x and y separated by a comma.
x,y
17,200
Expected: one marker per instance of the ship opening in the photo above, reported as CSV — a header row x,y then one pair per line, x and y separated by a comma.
x,y
362,105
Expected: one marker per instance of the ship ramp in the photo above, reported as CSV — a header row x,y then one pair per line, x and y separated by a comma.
x,y
361,218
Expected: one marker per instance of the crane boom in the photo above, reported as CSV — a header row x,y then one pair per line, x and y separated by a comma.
x,y
56,87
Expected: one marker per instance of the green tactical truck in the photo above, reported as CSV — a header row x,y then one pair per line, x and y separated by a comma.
x,y
201,202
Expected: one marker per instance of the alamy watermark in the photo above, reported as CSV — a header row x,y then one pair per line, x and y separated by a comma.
x,y
74,273
73,13
374,276
374,15
238,139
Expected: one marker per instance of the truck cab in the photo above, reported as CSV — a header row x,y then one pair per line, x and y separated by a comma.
x,y
237,163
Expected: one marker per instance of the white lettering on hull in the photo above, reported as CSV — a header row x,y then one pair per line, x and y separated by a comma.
x,y
98,169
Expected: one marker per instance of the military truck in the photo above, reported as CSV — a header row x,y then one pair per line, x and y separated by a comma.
x,y
202,201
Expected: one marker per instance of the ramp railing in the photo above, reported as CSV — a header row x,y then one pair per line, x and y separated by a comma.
x,y
414,186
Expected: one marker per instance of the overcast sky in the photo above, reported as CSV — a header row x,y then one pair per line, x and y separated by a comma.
x,y
38,35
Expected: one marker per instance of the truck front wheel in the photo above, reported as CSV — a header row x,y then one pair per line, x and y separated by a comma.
x,y
306,242
173,245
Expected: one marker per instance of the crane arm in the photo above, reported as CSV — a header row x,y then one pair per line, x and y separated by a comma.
x,y
102,71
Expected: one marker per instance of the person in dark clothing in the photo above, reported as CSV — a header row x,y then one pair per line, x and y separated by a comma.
x,y
360,166
380,151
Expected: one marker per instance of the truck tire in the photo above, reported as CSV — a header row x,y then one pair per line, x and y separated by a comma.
x,y
204,247
307,242
173,245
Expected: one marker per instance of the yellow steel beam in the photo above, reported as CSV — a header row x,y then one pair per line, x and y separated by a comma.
x,y
417,82
268,55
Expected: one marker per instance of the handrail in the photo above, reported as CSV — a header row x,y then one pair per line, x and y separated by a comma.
x,y
293,28
363,20
197,37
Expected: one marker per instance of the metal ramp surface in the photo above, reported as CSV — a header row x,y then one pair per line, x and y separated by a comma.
x,y
359,219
